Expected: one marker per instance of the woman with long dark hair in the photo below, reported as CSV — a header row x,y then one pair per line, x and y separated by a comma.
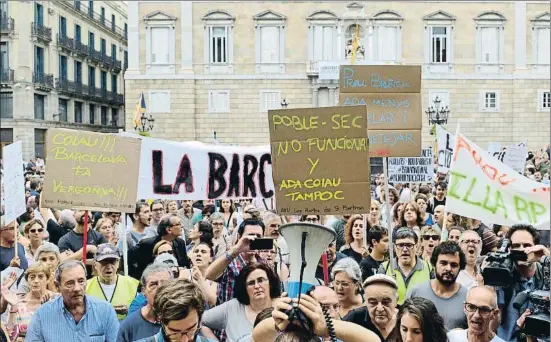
x,y
418,320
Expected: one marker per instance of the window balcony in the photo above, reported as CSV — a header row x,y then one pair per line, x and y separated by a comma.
x,y
117,66
41,33
64,86
7,24
6,77
94,55
65,42
107,61
43,81
95,17
81,50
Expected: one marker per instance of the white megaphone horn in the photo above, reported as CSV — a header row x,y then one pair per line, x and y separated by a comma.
x,y
307,242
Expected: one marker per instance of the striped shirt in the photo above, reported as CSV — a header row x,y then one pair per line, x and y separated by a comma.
x,y
53,322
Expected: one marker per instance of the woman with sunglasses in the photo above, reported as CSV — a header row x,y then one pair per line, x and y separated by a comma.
x,y
430,238
34,231
255,288
418,320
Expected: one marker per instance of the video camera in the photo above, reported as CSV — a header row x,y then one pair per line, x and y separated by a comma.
x,y
501,264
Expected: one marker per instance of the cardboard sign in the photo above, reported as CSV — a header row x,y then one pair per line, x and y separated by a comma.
x,y
14,182
445,142
193,171
387,111
412,170
515,157
380,79
394,143
482,187
313,150
92,171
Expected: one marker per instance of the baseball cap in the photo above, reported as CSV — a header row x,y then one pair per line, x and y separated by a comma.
x,y
107,251
166,259
381,279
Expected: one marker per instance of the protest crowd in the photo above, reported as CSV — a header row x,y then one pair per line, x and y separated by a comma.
x,y
193,275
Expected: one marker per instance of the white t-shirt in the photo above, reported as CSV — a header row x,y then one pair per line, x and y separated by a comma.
x,y
108,290
461,336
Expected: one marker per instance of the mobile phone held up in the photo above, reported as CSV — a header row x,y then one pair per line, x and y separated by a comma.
x,y
262,244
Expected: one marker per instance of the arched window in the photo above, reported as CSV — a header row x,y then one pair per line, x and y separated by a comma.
x,y
350,35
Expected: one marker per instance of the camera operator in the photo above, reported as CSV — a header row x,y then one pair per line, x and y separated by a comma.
x,y
527,276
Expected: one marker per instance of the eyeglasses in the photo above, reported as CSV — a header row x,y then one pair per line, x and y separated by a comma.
x,y
482,310
157,210
174,335
312,220
405,245
171,252
431,237
474,242
260,281
328,306
36,230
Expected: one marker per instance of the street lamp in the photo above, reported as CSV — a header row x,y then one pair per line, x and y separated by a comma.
x,y
146,124
284,104
437,115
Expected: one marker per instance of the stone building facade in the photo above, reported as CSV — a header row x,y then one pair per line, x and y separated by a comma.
x,y
61,65
208,67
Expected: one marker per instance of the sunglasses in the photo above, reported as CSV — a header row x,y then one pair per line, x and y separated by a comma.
x,y
431,237
36,230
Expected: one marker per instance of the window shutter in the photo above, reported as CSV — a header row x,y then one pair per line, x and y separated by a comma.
x,y
318,43
328,43
543,45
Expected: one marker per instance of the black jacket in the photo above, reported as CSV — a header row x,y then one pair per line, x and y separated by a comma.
x,y
141,255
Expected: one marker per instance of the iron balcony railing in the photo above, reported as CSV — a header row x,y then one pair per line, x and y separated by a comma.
x,y
7,24
117,66
81,49
6,75
125,62
65,42
78,6
107,61
42,32
94,54
43,80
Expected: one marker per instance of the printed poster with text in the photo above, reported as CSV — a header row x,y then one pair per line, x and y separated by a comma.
x,y
91,171
320,160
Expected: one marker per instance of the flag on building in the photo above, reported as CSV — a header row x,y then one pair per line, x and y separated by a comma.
x,y
355,44
140,108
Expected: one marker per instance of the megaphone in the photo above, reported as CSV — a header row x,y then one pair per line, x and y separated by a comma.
x,y
306,242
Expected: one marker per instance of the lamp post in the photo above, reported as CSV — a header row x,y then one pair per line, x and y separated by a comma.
x,y
437,115
146,124
284,104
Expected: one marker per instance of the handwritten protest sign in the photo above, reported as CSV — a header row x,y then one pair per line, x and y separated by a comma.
x,y
90,170
380,79
514,156
482,187
320,160
193,171
445,142
14,182
412,170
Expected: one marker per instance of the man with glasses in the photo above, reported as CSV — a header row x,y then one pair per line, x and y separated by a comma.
x,y
409,269
446,294
471,245
480,308
7,247
220,240
179,306
157,211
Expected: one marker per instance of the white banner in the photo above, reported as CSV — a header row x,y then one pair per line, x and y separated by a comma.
x,y
484,188
446,142
328,70
14,182
412,170
193,171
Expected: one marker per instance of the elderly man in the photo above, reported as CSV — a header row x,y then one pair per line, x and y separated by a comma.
x,y
220,240
119,290
73,316
471,245
272,223
379,313
7,247
143,322
480,308
328,299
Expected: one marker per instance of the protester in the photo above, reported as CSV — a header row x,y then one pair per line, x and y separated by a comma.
x,y
106,227
393,200
162,247
255,288
201,231
119,290
186,214
419,321
338,227
430,238
471,245
422,202
272,222
201,257
332,258
34,231
171,207
411,217
454,233
58,223
438,218
73,313
480,309
377,238
142,321
328,300
157,211
140,226
7,247
374,217
446,294
440,198
227,209
354,237
347,278
220,239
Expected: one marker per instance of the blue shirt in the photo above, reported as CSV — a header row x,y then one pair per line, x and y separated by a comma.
x,y
53,322
508,328
6,254
139,302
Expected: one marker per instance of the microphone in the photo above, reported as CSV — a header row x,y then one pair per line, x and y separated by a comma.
x,y
519,301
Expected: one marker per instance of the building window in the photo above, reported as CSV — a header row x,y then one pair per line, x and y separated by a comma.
x,y
6,105
544,100
39,142
114,117
542,46
39,60
219,101
125,30
6,138
103,47
63,67
39,106
91,8
113,24
439,41
91,41
62,26
103,80
322,36
439,44
63,111
78,33
78,72
218,41
92,114
91,77
78,112
218,47
388,35
159,101
102,16
113,51
114,83
489,101
4,56
270,99
270,42
77,5
490,41
160,42
103,116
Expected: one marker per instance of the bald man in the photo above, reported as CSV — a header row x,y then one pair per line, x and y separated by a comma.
x,y
439,221
328,300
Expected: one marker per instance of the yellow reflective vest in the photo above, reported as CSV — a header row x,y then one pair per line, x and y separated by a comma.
x,y
125,291
421,274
